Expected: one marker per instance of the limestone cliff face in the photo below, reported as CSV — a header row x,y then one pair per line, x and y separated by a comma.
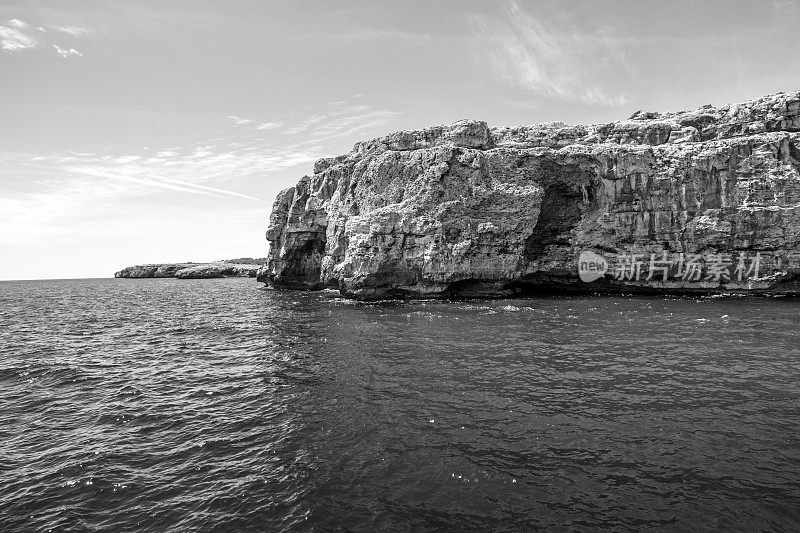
x,y
700,201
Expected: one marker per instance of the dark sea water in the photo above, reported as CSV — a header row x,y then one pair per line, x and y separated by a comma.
x,y
216,405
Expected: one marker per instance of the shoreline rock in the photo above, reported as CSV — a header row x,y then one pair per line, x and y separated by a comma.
x,y
242,267
700,202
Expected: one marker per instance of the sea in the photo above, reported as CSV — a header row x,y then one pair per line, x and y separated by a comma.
x,y
221,405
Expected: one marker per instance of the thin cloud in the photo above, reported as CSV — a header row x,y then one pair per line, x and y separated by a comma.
x,y
15,36
100,173
75,31
158,182
30,216
14,40
553,57
341,121
306,124
211,189
63,52
208,166
72,184
126,159
239,121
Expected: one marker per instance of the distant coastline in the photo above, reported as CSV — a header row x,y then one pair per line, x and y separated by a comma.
x,y
225,268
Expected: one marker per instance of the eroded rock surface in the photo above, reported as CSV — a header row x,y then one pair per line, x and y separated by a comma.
x,y
698,201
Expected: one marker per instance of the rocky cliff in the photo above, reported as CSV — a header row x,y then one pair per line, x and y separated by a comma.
x,y
243,267
704,201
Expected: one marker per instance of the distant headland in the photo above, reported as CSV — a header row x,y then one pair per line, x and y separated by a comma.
x,y
242,267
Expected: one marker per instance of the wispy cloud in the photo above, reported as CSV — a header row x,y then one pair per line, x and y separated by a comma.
x,y
13,39
332,121
158,182
63,52
32,215
239,121
553,58
75,31
70,191
202,169
71,185
15,35
269,125
339,120
307,124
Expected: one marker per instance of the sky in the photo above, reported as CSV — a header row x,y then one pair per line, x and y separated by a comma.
x,y
148,131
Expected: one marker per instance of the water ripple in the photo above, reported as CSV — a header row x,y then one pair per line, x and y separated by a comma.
x,y
170,405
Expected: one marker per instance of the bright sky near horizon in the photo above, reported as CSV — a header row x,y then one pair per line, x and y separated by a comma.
x,y
151,131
